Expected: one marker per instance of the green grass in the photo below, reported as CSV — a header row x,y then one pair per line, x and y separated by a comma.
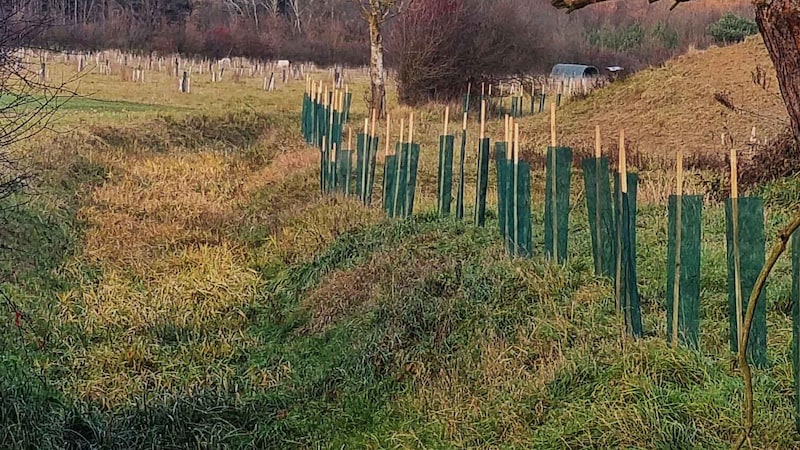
x,y
93,105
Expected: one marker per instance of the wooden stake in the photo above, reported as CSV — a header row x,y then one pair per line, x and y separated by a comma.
x,y
402,129
676,286
553,139
516,143
446,119
411,128
623,165
679,190
737,265
388,131
366,126
483,119
466,110
350,138
598,152
623,179
598,149
505,120
510,137
734,174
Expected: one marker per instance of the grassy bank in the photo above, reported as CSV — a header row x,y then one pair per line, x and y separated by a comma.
x,y
181,284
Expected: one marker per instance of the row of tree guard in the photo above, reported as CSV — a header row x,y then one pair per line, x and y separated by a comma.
x,y
611,214
517,102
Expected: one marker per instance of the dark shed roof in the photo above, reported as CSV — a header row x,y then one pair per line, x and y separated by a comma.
x,y
574,71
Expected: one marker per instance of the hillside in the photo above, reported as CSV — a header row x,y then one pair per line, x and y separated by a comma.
x,y
673,106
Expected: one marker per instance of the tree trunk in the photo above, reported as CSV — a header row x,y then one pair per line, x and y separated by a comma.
x,y
779,23
377,78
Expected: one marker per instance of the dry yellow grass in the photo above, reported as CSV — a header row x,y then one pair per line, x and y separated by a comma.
x,y
670,107
167,230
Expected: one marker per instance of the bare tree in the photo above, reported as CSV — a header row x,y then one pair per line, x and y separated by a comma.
x,y
376,13
28,101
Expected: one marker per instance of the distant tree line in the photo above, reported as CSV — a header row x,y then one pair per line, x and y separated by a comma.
x,y
517,34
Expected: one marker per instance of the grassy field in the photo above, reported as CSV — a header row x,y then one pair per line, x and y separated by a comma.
x,y
182,284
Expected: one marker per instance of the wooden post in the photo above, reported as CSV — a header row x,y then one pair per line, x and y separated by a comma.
x,y
505,133
676,286
623,183
597,144
598,154
553,180
388,133
553,139
737,258
411,128
446,119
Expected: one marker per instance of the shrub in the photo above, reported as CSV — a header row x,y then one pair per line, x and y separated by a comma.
x,y
440,45
732,28
620,39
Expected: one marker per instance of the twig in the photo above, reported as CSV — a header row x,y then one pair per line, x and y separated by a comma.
x,y
777,251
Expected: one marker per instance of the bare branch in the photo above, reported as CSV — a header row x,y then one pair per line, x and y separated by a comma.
x,y
572,5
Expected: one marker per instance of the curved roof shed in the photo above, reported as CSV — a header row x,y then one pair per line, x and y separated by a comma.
x,y
574,71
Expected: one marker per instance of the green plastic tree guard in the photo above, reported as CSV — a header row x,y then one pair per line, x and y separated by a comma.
x,y
482,182
411,179
633,181
502,167
556,207
361,165
751,254
796,325
445,177
399,204
303,113
460,193
389,180
683,261
511,191
348,100
524,235
319,117
601,216
322,175
373,155
336,130
630,293
625,278
312,118
344,160
542,101
332,172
